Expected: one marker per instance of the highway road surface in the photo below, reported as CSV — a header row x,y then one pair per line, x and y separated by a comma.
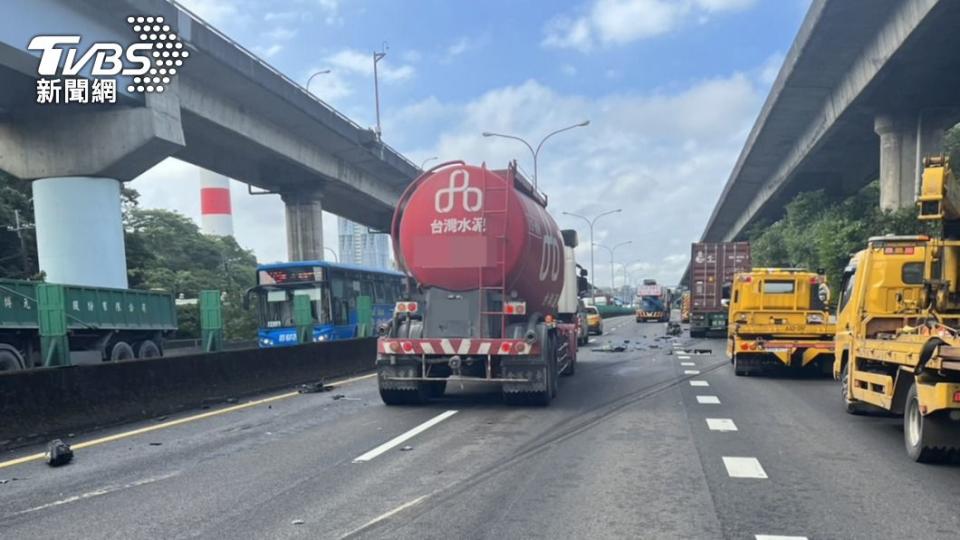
x,y
645,443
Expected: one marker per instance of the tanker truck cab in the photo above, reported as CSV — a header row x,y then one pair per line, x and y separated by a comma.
x,y
495,304
778,317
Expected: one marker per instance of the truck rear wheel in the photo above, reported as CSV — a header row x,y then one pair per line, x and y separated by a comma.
x,y
148,349
121,351
9,361
929,438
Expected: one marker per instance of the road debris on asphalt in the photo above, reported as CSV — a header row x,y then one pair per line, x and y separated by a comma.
x,y
314,387
58,453
298,522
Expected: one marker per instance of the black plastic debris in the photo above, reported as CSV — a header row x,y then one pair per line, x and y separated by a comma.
x,y
337,396
406,448
314,387
298,522
58,453
156,444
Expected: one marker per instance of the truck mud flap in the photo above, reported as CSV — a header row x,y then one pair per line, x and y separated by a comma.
x,y
532,371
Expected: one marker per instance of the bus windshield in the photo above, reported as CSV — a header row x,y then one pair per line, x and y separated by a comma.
x,y
277,305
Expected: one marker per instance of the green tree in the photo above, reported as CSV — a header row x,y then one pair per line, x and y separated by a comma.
x,y
166,250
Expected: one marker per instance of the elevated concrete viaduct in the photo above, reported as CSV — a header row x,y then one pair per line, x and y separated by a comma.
x,y
866,90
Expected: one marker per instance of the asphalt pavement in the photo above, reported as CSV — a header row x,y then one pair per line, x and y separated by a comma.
x,y
644,443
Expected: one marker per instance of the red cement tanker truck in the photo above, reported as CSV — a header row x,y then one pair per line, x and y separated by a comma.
x,y
496,294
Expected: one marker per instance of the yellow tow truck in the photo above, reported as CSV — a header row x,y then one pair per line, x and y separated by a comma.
x,y
778,317
897,345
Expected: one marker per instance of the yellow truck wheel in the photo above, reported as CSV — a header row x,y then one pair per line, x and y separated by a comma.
x,y
850,405
928,438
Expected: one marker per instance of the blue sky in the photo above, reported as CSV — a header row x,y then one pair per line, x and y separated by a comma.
x,y
671,87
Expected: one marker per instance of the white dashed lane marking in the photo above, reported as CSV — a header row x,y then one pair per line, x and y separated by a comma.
x,y
708,400
699,383
721,424
683,357
404,437
744,467
691,372
778,537
691,364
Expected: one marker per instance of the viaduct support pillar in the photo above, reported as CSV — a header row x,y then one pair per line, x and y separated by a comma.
x,y
304,226
76,159
905,139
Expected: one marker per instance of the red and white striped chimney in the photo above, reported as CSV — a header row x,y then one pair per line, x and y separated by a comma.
x,y
216,215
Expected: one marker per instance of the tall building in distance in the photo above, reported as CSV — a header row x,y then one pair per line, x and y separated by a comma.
x,y
359,246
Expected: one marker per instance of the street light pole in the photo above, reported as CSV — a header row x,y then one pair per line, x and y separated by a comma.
x,y
590,223
612,251
423,164
535,153
310,80
334,253
377,57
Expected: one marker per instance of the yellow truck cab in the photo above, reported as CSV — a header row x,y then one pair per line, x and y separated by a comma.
x,y
897,346
778,317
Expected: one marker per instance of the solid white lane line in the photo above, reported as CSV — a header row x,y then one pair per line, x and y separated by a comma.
x,y
382,517
399,439
699,383
691,372
778,537
708,400
691,364
743,467
721,424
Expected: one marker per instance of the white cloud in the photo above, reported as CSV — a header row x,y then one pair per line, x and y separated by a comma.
x,y
568,70
661,157
280,33
617,22
358,62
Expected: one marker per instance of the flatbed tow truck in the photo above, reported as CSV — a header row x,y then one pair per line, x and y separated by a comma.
x,y
897,344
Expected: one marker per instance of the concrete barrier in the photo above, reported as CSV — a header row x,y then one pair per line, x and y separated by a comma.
x,y
39,403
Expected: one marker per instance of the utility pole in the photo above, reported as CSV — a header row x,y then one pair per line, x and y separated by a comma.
x,y
19,228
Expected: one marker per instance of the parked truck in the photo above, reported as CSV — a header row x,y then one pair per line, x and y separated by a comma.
x,y
653,302
778,317
491,267
89,324
712,266
898,324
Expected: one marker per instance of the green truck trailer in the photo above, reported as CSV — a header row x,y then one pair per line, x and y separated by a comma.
x,y
43,324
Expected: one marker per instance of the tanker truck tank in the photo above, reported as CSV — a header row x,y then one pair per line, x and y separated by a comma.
x,y
463,228
490,263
